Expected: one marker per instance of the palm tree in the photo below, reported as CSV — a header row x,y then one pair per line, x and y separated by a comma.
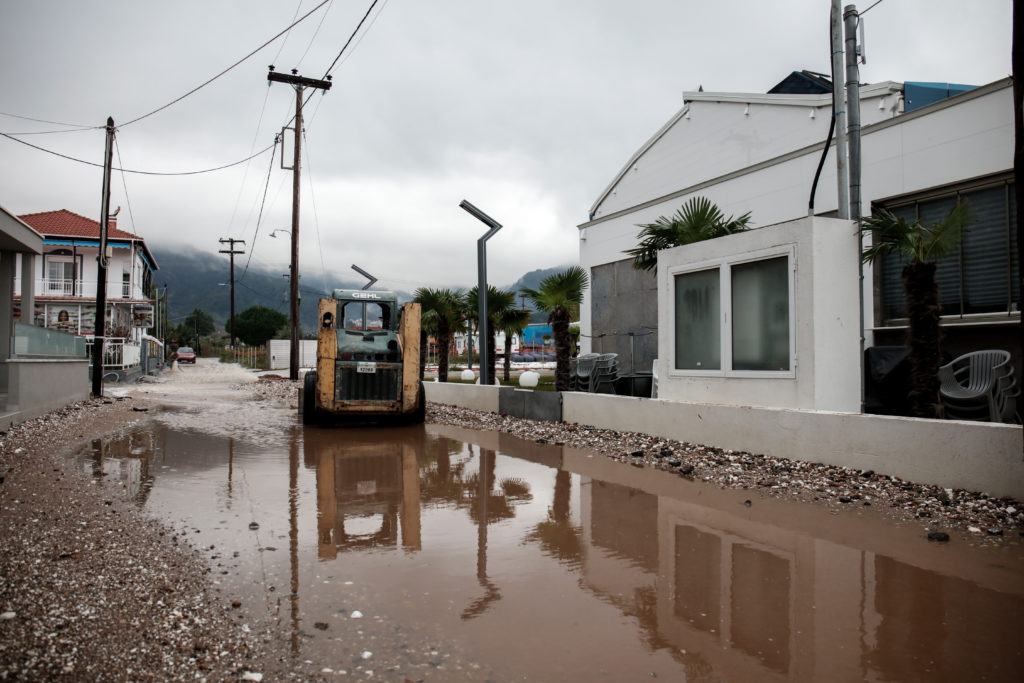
x,y
560,295
512,322
499,303
442,315
919,246
697,220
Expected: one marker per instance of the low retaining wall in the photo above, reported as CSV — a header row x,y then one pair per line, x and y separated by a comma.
x,y
35,387
471,396
976,456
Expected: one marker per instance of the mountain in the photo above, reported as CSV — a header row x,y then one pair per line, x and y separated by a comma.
x,y
197,279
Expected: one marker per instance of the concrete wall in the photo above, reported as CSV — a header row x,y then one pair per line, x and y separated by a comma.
x,y
35,387
970,455
976,456
624,302
825,372
471,396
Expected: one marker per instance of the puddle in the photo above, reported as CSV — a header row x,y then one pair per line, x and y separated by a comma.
x,y
444,554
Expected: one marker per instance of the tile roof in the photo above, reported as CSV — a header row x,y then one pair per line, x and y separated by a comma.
x,y
69,224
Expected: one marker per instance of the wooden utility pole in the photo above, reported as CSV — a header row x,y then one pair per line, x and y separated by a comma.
x,y
231,252
101,263
299,83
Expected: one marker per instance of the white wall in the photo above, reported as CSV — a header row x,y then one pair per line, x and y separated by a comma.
x,y
824,304
718,133
976,456
963,137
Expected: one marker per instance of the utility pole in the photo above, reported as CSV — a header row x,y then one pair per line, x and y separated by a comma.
x,y
231,252
299,83
101,262
839,111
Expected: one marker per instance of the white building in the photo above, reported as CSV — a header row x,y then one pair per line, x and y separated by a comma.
x,y
65,279
758,153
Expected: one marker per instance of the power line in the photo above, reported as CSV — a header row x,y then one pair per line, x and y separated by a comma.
x,y
316,213
315,33
349,41
284,42
243,59
131,215
252,247
128,170
878,2
341,52
52,123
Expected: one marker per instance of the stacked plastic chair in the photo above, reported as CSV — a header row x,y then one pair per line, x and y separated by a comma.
x,y
581,370
606,371
980,386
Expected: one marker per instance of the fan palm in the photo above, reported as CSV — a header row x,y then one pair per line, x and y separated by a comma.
x,y
919,246
697,220
560,295
442,315
499,303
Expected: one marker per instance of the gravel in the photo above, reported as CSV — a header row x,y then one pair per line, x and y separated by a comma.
x,y
92,588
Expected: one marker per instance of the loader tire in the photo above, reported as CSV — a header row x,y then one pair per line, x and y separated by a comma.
x,y
307,399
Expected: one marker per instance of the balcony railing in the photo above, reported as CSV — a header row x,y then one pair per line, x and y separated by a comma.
x,y
80,289
119,353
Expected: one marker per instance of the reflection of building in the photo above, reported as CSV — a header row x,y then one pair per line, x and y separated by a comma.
x,y
65,280
764,596
368,489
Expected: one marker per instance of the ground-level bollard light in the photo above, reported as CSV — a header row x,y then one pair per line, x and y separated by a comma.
x,y
529,379
481,290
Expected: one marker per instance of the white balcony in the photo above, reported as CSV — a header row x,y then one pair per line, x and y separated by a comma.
x,y
81,289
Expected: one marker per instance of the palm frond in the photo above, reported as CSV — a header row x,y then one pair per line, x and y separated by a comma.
x,y
697,220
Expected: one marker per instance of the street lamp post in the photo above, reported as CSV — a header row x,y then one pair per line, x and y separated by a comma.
x,y
481,272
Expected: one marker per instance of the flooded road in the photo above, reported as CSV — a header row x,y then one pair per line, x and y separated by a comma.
x,y
438,553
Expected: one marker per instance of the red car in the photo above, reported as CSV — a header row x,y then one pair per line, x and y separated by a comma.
x,y
186,355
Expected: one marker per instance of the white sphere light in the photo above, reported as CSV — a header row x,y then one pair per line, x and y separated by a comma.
x,y
468,375
529,379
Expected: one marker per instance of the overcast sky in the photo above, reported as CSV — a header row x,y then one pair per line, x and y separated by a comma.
x,y
527,109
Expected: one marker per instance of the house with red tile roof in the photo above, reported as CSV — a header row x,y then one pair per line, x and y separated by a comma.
x,y
65,277
40,369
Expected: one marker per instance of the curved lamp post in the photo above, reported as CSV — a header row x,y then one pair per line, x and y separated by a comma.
x,y
481,290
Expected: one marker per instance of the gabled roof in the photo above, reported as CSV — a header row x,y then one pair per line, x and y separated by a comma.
x,y
69,224
64,223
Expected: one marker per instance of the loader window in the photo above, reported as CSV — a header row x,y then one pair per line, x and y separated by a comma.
x,y
363,316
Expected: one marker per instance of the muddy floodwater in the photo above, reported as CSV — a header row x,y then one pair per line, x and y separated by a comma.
x,y
437,553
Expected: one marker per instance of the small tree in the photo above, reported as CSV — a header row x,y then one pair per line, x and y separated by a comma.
x,y
199,323
442,315
560,296
919,246
697,220
257,324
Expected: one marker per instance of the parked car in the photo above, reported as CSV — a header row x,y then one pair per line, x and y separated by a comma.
x,y
185,354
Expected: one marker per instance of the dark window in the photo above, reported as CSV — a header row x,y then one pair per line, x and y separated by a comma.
x,y
980,276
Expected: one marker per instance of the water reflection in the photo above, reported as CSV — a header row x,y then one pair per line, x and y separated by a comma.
x,y
368,489
501,548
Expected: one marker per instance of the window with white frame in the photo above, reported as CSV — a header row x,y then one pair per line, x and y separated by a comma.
x,y
735,316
